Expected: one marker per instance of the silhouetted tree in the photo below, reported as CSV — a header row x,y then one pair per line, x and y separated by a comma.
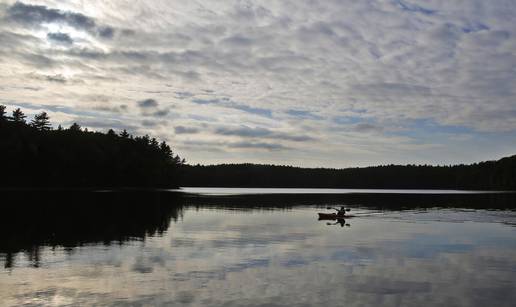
x,y
2,113
177,159
154,143
19,116
41,121
165,149
75,127
75,158
59,128
489,175
124,134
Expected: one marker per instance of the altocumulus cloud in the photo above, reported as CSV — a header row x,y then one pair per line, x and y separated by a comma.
x,y
185,130
277,74
263,133
58,37
149,107
257,145
38,15
148,103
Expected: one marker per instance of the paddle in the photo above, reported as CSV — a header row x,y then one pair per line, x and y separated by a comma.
x,y
329,208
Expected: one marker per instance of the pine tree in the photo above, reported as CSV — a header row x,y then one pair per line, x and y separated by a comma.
x,y
124,134
165,149
75,127
41,121
2,113
19,116
154,143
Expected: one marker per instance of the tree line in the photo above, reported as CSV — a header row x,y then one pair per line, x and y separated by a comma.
x,y
36,155
33,154
489,175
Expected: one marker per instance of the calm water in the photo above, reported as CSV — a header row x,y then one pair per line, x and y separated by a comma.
x,y
159,248
254,191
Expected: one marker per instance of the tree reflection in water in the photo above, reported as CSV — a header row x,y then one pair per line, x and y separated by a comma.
x,y
69,219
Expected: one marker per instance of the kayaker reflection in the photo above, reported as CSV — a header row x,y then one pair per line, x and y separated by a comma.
x,y
341,222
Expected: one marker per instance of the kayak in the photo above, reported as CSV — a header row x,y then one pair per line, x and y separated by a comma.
x,y
333,216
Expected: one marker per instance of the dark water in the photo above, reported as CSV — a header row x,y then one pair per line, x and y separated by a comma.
x,y
287,191
150,248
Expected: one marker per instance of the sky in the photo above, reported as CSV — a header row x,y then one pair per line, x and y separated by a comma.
x,y
316,83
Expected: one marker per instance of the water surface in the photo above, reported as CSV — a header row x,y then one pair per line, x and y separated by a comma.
x,y
255,191
164,248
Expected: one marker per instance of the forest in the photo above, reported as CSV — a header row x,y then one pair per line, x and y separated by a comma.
x,y
490,175
35,155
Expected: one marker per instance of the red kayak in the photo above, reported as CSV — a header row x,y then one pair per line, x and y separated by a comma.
x,y
333,216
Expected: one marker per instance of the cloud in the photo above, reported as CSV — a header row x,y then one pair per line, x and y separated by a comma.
x,y
238,41
61,38
153,123
218,146
185,130
390,89
37,60
303,114
148,103
321,74
106,106
250,109
366,127
206,101
161,113
248,132
244,131
104,124
257,145
414,8
228,103
106,32
56,78
36,15
184,95
149,107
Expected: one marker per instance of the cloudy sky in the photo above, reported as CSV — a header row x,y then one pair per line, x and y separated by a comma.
x,y
301,82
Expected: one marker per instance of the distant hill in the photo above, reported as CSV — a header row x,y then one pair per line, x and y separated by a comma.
x,y
489,175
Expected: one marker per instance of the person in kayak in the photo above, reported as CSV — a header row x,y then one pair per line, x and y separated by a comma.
x,y
341,211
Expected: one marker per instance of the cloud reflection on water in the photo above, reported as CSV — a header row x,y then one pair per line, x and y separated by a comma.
x,y
219,257
229,258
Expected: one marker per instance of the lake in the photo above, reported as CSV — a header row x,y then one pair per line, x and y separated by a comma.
x,y
210,247
258,191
